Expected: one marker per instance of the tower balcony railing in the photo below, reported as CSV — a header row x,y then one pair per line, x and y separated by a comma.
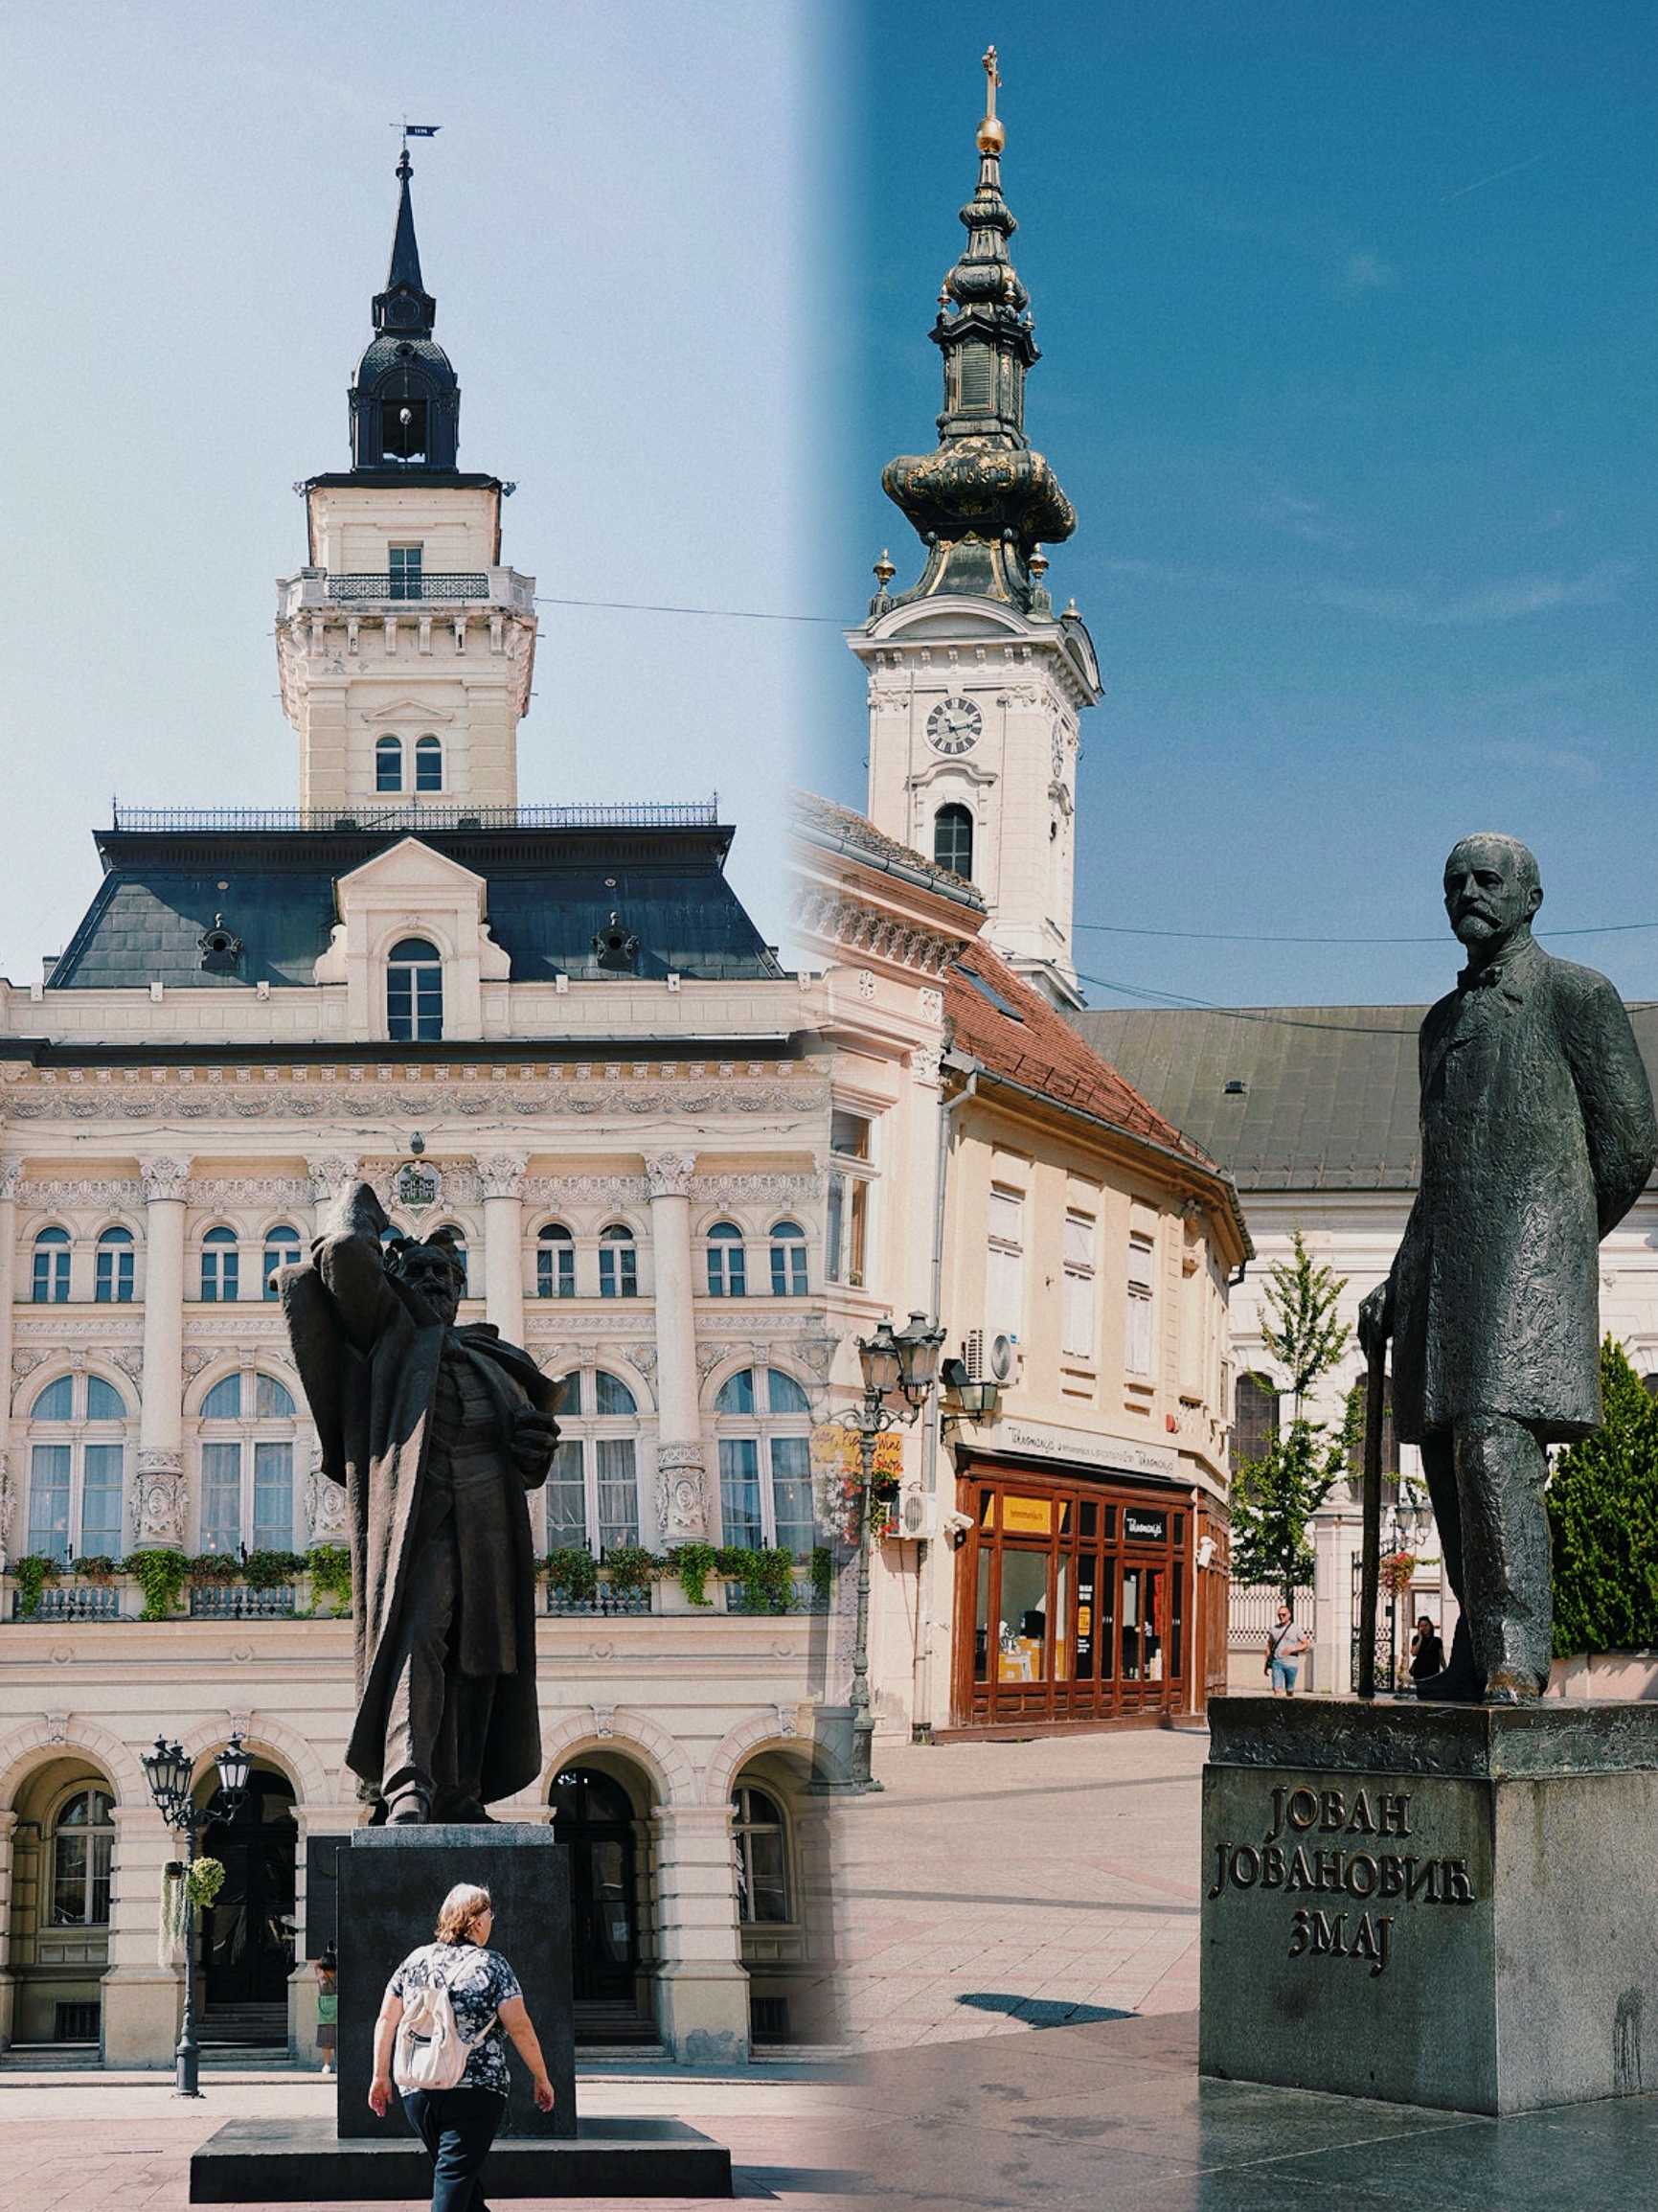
x,y
388,594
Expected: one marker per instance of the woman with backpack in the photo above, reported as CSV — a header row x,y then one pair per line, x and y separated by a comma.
x,y
441,2036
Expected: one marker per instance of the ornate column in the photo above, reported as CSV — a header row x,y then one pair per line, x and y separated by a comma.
x,y
329,1174
681,1483
11,1175
159,1504
501,1178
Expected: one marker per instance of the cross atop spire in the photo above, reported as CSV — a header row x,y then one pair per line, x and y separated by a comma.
x,y
993,136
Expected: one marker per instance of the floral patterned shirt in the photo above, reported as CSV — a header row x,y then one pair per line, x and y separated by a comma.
x,y
478,1987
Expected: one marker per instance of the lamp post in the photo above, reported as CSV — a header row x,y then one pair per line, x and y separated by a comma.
x,y
901,1364
167,1769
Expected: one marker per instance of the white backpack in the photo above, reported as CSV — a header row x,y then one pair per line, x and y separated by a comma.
x,y
431,2052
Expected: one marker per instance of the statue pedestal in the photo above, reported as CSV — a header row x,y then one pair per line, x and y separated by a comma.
x,y
1453,1906
392,1882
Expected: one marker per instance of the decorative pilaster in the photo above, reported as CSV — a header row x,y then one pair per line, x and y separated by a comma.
x,y
329,1174
11,1175
701,1984
681,1491
159,1509
501,1178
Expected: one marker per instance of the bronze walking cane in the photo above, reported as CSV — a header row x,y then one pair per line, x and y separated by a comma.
x,y
1374,1412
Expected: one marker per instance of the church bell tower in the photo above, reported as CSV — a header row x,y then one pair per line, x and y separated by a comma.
x,y
405,647
975,685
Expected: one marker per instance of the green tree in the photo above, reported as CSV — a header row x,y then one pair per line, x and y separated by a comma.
x,y
1604,1523
1274,1497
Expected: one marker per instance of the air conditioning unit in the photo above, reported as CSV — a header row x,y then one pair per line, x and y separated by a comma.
x,y
990,1356
917,1516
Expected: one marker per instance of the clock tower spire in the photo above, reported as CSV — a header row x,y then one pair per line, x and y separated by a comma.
x,y
975,685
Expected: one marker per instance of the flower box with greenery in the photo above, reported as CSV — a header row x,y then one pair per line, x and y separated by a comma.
x,y
34,1573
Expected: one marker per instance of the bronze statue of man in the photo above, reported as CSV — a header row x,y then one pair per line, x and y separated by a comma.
x,y
1538,1138
437,1434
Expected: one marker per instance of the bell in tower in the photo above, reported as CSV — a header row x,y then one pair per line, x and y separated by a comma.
x,y
405,402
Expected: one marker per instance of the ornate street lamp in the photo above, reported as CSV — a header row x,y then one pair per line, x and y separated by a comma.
x,y
168,1770
975,1401
900,1365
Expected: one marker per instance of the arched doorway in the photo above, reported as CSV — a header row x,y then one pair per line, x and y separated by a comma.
x,y
247,1934
594,1815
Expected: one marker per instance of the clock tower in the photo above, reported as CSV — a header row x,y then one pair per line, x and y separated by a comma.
x,y
975,686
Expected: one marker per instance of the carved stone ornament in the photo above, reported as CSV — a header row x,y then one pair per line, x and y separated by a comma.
x,y
825,915
669,1175
387,1098
325,1508
158,1499
501,1175
11,1174
681,1494
925,1061
932,1003
329,1174
8,1499
164,1179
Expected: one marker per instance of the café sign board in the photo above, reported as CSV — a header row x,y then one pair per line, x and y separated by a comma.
x,y
1081,1446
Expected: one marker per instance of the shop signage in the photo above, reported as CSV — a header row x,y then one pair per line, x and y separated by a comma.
x,y
1139,1527
834,1449
1084,1446
1026,1516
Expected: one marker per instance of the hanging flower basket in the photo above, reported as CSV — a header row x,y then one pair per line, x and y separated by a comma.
x,y
1394,1572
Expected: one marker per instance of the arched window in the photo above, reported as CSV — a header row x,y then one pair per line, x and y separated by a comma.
x,y
1254,1418
761,1855
727,1263
593,1489
402,402
82,1848
75,1473
415,992
389,764
765,1430
221,1267
282,1250
52,1267
247,1465
788,1279
953,840
429,764
113,1285
555,1263
618,1263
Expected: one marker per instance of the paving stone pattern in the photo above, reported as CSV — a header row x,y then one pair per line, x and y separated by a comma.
x,y
992,1888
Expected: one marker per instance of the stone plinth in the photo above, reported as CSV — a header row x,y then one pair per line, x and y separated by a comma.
x,y
1453,1906
392,1882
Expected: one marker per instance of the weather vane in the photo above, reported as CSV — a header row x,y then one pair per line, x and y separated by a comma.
x,y
421,129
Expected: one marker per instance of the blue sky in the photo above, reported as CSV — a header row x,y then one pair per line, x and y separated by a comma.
x,y
1351,337
199,203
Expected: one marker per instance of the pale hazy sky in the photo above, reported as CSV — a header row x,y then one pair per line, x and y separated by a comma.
x,y
199,204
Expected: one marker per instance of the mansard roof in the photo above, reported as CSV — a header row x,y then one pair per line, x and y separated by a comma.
x,y
1291,1098
549,891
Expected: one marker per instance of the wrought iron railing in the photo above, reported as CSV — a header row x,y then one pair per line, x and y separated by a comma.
x,y
381,584
71,1602
372,814
802,1599
235,1602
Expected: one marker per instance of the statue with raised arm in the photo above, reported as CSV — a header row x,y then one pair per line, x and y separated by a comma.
x,y
1538,1137
437,1434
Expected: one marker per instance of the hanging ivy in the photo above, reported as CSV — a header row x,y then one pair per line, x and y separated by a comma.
x,y
822,1570
630,1567
269,1570
573,1573
694,1564
330,1568
767,1577
159,1576
32,1573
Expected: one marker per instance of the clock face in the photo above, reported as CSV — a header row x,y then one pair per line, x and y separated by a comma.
x,y
954,726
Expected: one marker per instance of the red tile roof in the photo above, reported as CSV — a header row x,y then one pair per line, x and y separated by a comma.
x,y
1033,1045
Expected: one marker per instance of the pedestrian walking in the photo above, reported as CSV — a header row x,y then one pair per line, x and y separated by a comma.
x,y
327,2006
1285,1645
441,2036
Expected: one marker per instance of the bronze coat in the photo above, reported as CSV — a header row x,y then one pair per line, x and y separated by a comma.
x,y
368,1348
1538,1138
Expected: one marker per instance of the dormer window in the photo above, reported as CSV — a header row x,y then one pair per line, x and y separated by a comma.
x,y
615,947
403,561
429,764
389,760
414,993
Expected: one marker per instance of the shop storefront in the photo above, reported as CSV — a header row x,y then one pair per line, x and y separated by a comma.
x,y
1075,1593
